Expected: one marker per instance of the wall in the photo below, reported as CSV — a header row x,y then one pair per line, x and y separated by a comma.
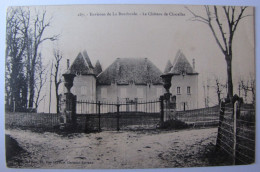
x,y
191,100
84,87
141,92
39,121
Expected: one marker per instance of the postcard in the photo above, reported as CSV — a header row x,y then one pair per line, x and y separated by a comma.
x,y
129,86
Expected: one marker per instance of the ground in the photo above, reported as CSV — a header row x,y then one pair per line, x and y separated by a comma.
x,y
112,149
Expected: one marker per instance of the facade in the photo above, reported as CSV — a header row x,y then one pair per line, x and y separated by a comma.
x,y
131,80
184,87
84,86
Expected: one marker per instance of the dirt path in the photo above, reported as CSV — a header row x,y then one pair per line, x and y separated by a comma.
x,y
147,149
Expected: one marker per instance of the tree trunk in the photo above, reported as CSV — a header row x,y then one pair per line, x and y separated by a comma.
x,y
57,98
31,86
228,58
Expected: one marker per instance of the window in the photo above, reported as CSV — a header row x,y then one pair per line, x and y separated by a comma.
x,y
103,92
188,90
178,90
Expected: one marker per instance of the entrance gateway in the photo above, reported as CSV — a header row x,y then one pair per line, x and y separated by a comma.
x,y
131,115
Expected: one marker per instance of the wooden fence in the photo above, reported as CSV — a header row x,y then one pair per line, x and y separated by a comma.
x,y
199,117
236,132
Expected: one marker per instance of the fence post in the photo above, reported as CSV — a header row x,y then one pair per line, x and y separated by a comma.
x,y
99,116
236,112
162,109
221,118
117,114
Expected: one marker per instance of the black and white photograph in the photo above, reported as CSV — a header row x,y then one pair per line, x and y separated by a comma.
x,y
129,86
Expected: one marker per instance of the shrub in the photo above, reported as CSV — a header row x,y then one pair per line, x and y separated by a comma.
x,y
173,124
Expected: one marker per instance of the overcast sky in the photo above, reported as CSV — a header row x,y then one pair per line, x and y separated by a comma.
x,y
156,37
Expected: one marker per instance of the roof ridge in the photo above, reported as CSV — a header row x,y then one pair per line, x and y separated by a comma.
x,y
87,59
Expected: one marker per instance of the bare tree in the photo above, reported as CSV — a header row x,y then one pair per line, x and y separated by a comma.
x,y
57,76
23,37
223,30
39,25
248,86
219,87
40,80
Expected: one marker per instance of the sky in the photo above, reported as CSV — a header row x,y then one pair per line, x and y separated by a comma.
x,y
106,34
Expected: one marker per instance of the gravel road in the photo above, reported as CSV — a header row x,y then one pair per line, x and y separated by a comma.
x,y
111,149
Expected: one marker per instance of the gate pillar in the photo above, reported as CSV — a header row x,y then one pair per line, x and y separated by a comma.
x,y
167,85
162,109
68,117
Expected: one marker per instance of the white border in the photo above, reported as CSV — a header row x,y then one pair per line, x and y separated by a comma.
x,y
5,3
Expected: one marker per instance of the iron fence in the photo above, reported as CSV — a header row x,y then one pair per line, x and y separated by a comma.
x,y
120,115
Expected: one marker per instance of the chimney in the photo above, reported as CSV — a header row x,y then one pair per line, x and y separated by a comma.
x,y
68,63
117,65
146,65
193,64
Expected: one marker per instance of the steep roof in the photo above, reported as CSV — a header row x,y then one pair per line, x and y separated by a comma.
x,y
98,68
181,64
168,67
125,70
82,65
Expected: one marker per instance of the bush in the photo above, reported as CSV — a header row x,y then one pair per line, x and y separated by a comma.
x,y
173,124
12,148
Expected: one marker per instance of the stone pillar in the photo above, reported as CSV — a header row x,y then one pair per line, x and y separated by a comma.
x,y
68,104
167,85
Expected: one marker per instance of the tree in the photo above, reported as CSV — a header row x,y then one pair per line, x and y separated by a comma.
x,y
223,30
40,80
15,86
57,76
24,35
248,86
219,87
35,36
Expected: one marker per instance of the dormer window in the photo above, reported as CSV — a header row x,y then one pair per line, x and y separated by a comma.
x,y
183,73
149,82
131,82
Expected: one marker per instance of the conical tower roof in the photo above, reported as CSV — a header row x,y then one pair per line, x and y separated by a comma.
x,y
168,67
82,65
181,65
98,68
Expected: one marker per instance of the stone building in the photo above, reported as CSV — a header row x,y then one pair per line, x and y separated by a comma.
x,y
131,80
184,87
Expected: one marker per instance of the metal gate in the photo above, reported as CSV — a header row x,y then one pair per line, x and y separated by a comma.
x,y
129,115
